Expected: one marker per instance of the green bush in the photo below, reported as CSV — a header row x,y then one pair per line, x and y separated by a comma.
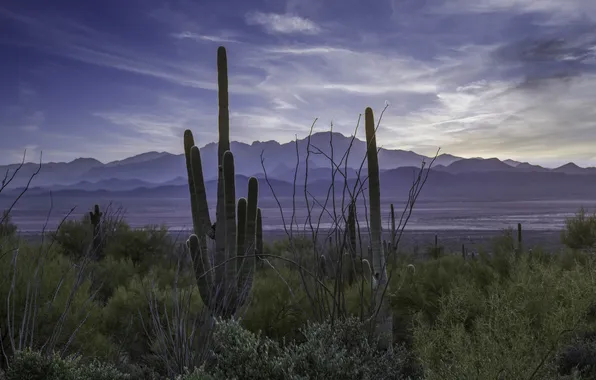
x,y
579,357
144,247
141,246
277,304
49,298
7,228
508,329
32,365
342,350
580,231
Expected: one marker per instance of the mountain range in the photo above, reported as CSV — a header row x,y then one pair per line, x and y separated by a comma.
x,y
162,174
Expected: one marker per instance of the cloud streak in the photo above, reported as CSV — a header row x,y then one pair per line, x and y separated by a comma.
x,y
283,23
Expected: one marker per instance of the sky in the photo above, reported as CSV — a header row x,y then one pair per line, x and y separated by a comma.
x,y
476,78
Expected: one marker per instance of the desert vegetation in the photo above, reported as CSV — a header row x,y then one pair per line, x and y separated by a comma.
x,y
96,299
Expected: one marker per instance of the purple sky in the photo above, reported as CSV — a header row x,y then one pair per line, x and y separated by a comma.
x,y
110,79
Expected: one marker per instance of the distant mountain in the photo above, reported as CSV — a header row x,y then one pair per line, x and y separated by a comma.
x,y
50,173
107,185
143,157
279,160
571,168
524,166
160,169
512,163
471,165
395,183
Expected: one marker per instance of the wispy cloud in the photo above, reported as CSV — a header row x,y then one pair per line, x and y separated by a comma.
x,y
554,12
79,42
203,37
282,23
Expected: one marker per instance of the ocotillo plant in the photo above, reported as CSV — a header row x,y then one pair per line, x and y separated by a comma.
x,y
95,217
384,319
225,277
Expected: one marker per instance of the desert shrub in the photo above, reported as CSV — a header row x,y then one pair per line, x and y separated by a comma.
x,y
74,237
140,246
277,304
580,231
345,350
578,358
237,353
435,251
109,274
120,241
505,242
49,298
32,365
127,317
509,329
196,374
7,228
418,293
341,350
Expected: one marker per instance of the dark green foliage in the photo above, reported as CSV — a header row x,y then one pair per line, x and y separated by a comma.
x,y
579,358
31,365
143,247
7,228
435,251
580,231
343,350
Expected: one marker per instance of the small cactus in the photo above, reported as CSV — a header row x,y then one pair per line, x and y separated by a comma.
x,y
95,217
520,246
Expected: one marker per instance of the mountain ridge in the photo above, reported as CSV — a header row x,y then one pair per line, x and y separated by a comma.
x,y
279,161
395,185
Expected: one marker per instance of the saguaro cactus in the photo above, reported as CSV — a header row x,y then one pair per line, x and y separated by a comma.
x,y
520,246
384,318
224,278
95,217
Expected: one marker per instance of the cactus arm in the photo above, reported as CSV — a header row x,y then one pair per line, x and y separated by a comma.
x,y
196,184
202,268
189,142
241,230
247,259
259,234
352,228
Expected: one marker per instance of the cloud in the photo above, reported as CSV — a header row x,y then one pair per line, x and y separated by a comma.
x,y
67,38
282,23
554,9
202,37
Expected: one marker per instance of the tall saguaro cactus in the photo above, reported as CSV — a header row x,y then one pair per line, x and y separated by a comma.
x,y
384,318
224,278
